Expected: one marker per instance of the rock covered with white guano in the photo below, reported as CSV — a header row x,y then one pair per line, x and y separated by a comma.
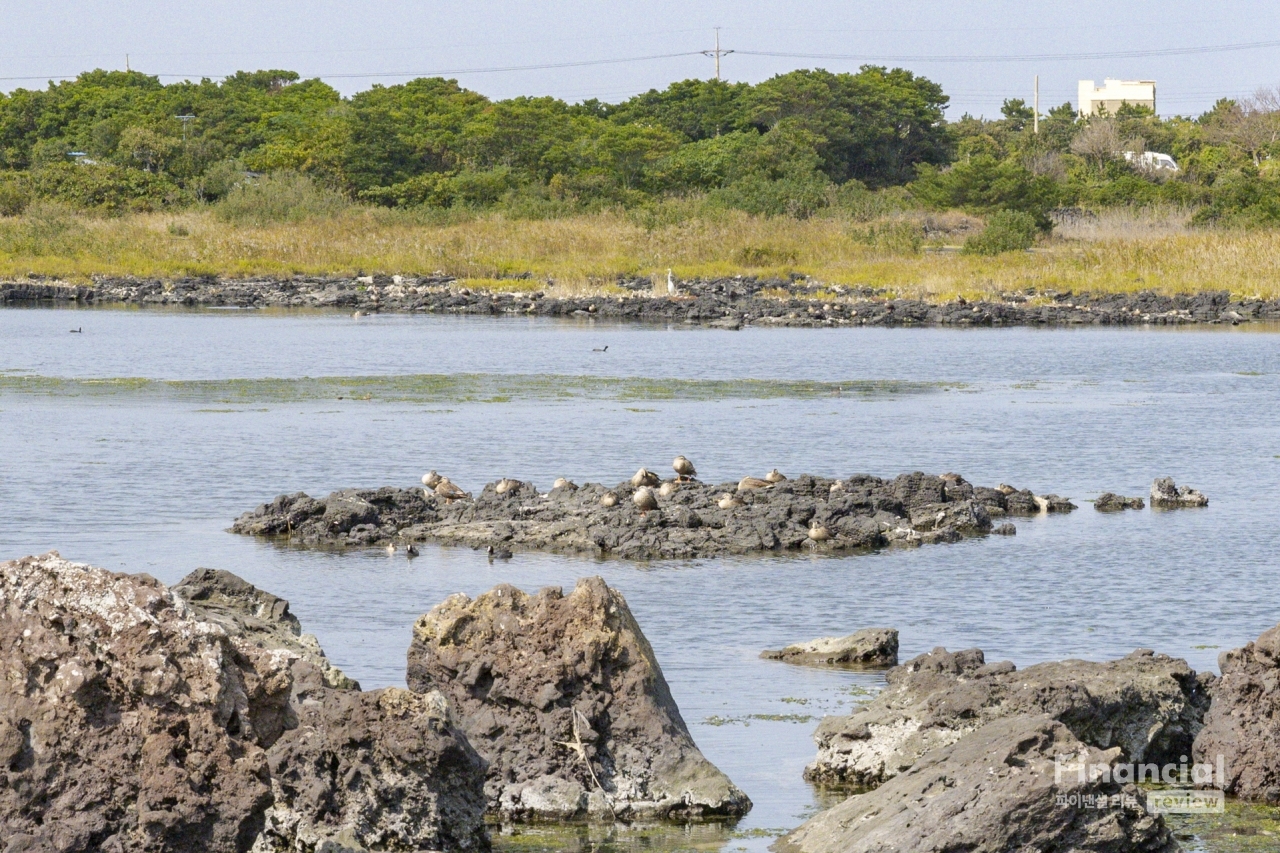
x,y
563,696
870,648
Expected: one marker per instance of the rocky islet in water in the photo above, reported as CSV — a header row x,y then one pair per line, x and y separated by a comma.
x,y
645,518
728,303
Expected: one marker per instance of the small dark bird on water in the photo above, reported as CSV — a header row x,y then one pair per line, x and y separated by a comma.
x,y
495,554
411,550
604,348
77,331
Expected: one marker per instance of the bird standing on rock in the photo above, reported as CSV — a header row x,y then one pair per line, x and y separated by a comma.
x,y
644,499
645,477
506,484
818,533
671,285
684,468
431,479
449,491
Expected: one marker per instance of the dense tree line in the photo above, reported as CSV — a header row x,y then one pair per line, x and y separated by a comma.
x,y
794,144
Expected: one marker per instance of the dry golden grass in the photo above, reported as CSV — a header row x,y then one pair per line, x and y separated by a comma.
x,y
586,253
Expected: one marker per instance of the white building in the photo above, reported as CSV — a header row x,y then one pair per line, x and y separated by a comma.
x,y
1113,94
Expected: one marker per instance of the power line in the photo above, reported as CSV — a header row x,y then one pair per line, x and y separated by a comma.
x,y
1022,57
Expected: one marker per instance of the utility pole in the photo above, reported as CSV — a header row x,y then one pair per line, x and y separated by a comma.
x,y
717,53
126,63
1036,122
186,119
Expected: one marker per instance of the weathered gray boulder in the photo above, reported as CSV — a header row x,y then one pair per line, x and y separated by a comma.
x,y
1166,494
255,616
859,513
383,770
993,791
126,723
1110,502
1151,706
563,697
1243,723
870,648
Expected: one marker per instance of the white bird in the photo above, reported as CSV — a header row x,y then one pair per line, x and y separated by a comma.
x,y
671,284
391,548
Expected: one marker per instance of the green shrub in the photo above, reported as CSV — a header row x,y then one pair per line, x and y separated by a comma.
x,y
279,197
1241,200
107,189
985,185
15,193
1006,231
800,195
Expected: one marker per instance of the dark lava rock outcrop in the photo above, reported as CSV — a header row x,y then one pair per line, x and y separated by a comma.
x,y
993,791
1150,706
1110,502
132,720
1243,723
1165,494
857,513
563,697
727,303
870,648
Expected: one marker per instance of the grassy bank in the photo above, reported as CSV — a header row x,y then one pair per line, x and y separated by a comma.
x,y
908,255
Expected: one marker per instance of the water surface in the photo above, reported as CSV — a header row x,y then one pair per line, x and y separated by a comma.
x,y
134,444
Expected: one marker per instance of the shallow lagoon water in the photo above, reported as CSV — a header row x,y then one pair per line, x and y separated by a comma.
x,y
146,475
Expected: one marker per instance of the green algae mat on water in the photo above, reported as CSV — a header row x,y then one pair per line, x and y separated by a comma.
x,y
456,388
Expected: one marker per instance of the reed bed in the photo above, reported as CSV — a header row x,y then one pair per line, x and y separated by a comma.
x,y
1113,253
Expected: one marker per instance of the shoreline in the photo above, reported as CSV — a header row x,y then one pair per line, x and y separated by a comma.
x,y
724,303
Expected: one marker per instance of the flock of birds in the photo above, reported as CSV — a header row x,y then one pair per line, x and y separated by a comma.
x,y
648,488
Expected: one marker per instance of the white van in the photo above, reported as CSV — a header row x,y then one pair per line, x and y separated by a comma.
x,y
1150,161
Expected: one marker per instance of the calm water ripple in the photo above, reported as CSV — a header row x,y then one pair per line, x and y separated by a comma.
x,y
139,481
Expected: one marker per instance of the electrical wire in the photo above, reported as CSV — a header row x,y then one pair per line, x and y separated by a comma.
x,y
1022,57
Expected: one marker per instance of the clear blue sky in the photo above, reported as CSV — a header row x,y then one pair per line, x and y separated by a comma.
x,y
404,39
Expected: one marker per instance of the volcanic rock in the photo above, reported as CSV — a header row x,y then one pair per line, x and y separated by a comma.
x,y
870,648
1151,706
563,697
859,513
995,790
1109,502
1166,494
1243,723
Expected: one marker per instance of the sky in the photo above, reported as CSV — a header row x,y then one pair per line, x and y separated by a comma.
x,y
354,46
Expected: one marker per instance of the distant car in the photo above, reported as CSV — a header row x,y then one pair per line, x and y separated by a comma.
x,y
1150,161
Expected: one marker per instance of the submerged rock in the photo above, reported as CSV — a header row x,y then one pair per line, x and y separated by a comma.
x,y
869,648
995,790
1166,494
1110,502
695,520
255,616
126,723
563,696
1151,706
1243,726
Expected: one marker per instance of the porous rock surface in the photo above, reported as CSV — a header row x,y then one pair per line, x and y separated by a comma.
x,y
1150,706
253,615
562,695
869,648
859,512
1243,723
1166,494
995,790
1111,502
131,722
125,723
728,303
